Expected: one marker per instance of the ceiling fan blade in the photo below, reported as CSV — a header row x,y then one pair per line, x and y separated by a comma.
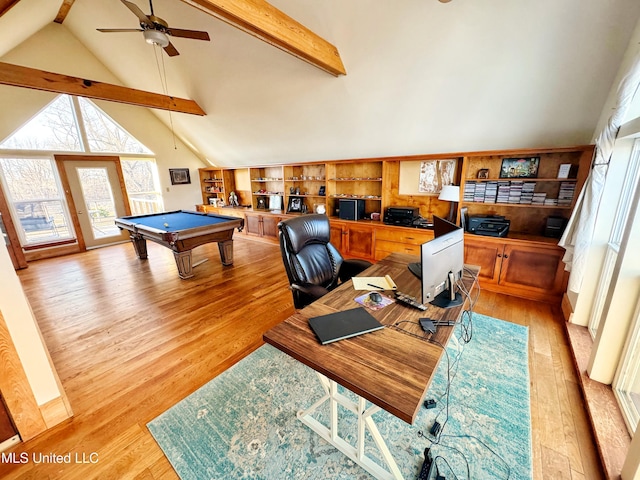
x,y
171,50
194,34
144,20
108,30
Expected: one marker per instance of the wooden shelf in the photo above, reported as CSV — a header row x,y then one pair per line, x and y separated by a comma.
x,y
521,180
518,205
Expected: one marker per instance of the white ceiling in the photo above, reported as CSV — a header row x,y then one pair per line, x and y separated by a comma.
x,y
422,76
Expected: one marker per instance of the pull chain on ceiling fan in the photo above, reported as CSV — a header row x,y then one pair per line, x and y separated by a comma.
x,y
155,30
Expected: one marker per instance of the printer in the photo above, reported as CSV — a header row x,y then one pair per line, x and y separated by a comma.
x,y
488,225
404,216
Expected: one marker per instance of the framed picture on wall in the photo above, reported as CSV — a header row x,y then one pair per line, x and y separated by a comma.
x,y
520,167
179,176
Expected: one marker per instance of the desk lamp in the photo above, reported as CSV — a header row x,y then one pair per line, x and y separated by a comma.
x,y
451,193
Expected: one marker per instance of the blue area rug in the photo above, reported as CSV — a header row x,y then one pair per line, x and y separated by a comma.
x,y
243,425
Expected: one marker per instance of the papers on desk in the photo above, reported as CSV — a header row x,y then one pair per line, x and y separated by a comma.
x,y
374,283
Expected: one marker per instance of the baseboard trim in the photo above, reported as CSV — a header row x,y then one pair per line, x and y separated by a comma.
x,y
55,411
10,442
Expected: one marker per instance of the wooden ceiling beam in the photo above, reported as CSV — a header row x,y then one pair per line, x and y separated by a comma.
x,y
64,10
19,76
264,21
5,6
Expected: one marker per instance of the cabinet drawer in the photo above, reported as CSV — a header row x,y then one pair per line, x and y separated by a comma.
x,y
393,247
402,236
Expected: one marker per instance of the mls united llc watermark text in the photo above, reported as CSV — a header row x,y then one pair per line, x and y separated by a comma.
x,y
39,457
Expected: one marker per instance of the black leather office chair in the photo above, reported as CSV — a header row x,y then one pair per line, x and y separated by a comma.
x,y
314,266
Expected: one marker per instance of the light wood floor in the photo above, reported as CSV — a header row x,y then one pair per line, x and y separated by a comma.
x,y
130,339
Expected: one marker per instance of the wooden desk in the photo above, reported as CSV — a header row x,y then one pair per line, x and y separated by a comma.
x,y
391,368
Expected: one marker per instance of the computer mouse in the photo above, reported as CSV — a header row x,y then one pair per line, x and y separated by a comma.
x,y
375,297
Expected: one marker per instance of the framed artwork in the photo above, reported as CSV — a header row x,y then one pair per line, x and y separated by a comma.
x,y
179,176
520,167
435,174
295,205
483,173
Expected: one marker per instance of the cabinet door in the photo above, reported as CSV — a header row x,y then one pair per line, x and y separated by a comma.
x,y
487,255
534,267
359,241
336,234
253,224
270,226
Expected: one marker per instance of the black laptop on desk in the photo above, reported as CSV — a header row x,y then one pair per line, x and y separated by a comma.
x,y
345,324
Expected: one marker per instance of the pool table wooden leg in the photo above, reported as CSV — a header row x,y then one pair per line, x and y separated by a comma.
x,y
139,245
183,262
226,252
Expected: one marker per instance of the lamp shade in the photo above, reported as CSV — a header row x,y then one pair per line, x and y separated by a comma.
x,y
450,193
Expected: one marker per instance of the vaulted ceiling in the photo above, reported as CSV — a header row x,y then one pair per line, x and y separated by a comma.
x,y
421,76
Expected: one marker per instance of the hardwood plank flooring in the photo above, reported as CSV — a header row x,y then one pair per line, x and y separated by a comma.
x,y
130,339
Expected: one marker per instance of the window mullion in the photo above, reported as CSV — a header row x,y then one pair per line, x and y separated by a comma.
x,y
77,114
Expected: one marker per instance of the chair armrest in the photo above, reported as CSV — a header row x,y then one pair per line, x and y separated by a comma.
x,y
312,291
352,267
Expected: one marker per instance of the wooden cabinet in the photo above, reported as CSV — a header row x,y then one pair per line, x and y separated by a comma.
x,y
390,239
526,201
263,226
267,188
305,188
525,269
525,263
353,239
355,179
215,185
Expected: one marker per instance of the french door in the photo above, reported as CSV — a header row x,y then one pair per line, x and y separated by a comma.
x,y
96,197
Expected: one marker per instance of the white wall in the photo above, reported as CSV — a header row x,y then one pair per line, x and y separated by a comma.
x,y
422,76
24,333
55,49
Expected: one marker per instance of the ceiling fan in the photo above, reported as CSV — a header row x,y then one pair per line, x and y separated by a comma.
x,y
155,30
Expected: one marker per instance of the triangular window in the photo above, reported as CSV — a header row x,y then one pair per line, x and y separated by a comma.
x,y
105,135
54,128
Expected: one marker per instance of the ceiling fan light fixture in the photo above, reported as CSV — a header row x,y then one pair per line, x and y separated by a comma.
x,y
156,37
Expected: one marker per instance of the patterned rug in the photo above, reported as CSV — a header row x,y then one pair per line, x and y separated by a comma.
x,y
243,425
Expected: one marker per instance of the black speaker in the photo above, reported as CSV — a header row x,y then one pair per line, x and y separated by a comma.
x,y
351,209
555,227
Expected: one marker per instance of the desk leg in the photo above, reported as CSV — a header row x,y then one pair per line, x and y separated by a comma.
x,y
226,252
183,262
330,434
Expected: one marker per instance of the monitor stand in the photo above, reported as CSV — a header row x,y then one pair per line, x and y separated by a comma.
x,y
416,269
448,298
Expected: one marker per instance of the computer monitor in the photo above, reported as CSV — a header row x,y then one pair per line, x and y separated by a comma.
x,y
441,264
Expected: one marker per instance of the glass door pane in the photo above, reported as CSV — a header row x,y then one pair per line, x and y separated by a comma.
x,y
98,198
36,200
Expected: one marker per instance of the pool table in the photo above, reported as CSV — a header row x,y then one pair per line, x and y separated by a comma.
x,y
182,231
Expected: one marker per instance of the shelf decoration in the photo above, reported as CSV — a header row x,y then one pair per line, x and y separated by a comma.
x,y
435,174
520,167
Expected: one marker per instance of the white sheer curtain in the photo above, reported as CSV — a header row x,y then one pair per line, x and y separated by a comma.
x,y
579,232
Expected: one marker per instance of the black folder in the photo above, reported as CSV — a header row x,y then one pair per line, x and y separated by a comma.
x,y
345,324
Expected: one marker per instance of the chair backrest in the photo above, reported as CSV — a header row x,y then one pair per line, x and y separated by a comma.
x,y
307,253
